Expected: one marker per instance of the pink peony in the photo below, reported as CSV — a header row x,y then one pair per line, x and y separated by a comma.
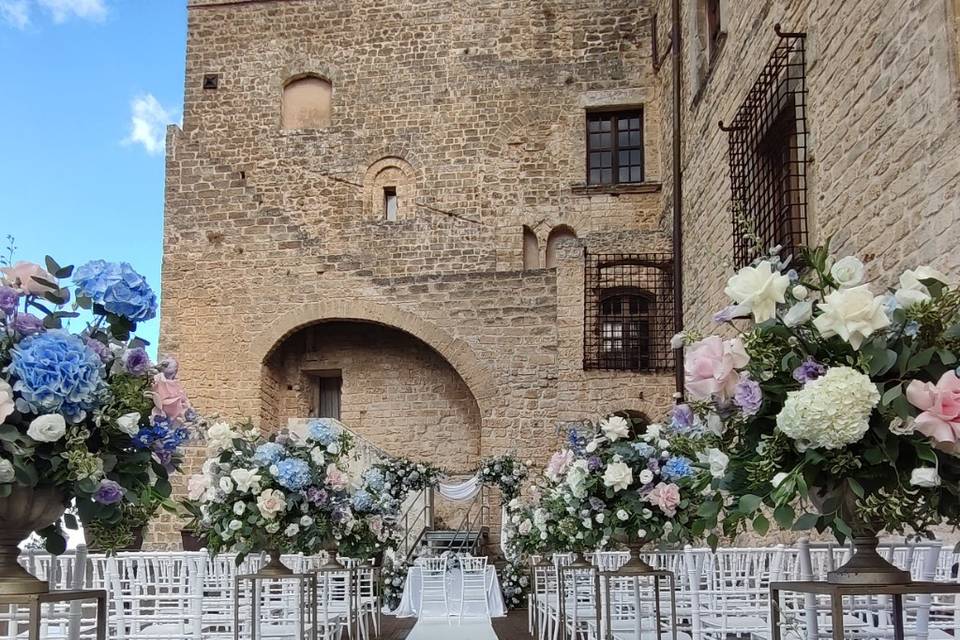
x,y
666,496
336,479
558,465
940,406
21,277
169,398
711,367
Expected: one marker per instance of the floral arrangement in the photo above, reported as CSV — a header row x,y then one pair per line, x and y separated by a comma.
x,y
281,493
616,486
514,584
505,473
835,408
391,481
87,414
393,576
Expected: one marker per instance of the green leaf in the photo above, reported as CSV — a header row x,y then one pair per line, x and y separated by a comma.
x,y
873,455
63,272
856,487
922,359
761,525
26,473
70,521
806,521
842,526
784,516
9,433
52,322
750,503
708,509
946,357
52,265
891,394
926,453
713,541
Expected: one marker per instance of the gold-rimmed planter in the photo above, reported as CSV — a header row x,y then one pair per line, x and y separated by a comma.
x,y
25,510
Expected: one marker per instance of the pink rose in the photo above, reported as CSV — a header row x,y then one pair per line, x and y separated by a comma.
x,y
940,404
558,465
21,277
169,398
336,479
711,367
666,496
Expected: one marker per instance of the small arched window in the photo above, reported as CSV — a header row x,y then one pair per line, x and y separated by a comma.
x,y
626,322
306,103
531,250
557,235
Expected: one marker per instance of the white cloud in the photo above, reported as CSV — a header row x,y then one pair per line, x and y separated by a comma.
x,y
148,123
15,12
63,10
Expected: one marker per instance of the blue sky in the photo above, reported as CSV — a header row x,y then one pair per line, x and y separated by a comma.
x,y
88,87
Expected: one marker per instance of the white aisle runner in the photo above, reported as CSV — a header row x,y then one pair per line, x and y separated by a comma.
x,y
432,629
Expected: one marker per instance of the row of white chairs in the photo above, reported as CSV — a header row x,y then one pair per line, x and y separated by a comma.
x,y
726,593
435,595
190,595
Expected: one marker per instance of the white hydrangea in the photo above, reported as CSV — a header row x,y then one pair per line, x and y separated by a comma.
x,y
831,411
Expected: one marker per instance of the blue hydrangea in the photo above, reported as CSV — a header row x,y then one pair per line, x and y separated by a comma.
x,y
293,474
268,453
322,431
116,287
55,372
362,501
643,449
373,477
676,468
162,435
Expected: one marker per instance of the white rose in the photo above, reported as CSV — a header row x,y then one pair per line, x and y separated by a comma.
x,y
210,468
641,533
615,427
676,342
622,515
800,292
235,525
848,272
645,476
226,485
798,313
129,423
318,456
912,290
197,486
7,405
291,530
715,424
600,517
48,428
333,448
853,314
778,479
525,527
239,507
270,503
925,477
716,460
245,479
7,474
306,521
653,432
220,437
758,288
592,445
618,476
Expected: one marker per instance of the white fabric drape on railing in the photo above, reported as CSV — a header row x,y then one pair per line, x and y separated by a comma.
x,y
462,492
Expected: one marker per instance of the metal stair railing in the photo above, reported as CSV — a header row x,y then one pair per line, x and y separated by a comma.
x,y
473,521
417,520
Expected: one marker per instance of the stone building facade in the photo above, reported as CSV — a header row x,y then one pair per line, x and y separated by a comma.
x,y
394,211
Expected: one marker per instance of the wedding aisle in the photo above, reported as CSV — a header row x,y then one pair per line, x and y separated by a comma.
x,y
440,630
512,627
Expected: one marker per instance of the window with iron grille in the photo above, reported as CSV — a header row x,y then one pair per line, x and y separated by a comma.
x,y
768,138
615,147
628,312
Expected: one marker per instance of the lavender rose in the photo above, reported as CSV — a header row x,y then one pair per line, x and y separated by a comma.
x,y
809,370
169,367
109,492
9,297
27,324
748,396
136,361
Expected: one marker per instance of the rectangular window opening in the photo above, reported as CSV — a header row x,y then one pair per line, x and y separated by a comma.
x,y
615,147
390,203
327,390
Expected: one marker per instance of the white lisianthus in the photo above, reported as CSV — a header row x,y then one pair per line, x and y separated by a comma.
x,y
778,479
641,533
592,445
129,423
7,473
210,468
333,448
622,515
925,477
715,424
800,292
715,460
798,313
48,428
245,479
235,525
7,404
831,411
318,456
645,476
848,272
239,507
599,517
220,437
676,342
291,530
197,486
615,427
226,485
912,290
758,288
853,314
306,521
654,432
270,503
900,427
618,476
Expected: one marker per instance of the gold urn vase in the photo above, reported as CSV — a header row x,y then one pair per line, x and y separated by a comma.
x,y
24,511
275,566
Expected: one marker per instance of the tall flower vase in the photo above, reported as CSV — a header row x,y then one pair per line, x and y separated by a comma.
x,y
866,566
332,564
24,511
275,566
635,564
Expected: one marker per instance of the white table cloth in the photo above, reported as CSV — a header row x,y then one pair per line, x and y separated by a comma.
x,y
410,600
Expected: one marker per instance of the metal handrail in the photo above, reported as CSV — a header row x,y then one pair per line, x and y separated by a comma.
x,y
425,512
467,524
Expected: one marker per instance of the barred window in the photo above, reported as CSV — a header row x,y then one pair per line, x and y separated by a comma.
x,y
615,147
768,157
628,312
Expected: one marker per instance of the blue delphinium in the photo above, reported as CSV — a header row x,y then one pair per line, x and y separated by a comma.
x,y
116,287
373,477
162,435
676,468
323,432
269,453
363,501
56,372
293,474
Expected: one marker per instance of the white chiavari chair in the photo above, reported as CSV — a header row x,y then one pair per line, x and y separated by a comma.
x,y
433,587
579,601
366,600
473,586
58,621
